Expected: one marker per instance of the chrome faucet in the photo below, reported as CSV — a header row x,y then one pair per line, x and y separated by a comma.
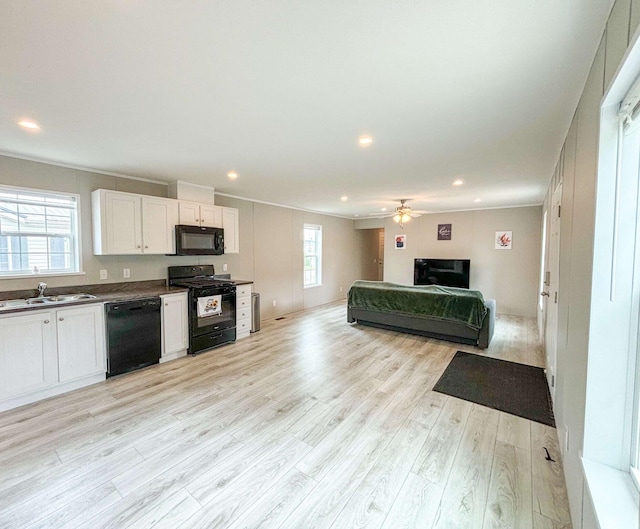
x,y
41,288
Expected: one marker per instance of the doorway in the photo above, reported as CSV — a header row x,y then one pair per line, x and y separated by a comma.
x,y
373,254
551,291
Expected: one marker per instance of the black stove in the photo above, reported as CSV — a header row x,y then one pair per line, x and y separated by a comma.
x,y
212,306
200,282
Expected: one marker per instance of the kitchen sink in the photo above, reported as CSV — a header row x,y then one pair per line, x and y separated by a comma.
x,y
61,298
46,300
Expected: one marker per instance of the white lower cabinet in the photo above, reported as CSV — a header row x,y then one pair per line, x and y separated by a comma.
x,y
243,311
175,326
81,350
48,352
28,356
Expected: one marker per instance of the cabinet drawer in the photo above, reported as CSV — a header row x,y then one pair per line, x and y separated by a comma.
x,y
243,313
243,290
243,303
243,325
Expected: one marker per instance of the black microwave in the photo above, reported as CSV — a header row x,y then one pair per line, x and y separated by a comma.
x,y
196,240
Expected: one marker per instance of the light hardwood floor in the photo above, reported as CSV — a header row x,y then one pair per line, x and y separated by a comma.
x,y
310,423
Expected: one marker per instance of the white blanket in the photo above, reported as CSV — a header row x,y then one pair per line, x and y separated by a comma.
x,y
209,306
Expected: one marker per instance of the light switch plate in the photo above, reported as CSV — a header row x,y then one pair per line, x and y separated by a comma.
x,y
103,274
126,273
224,267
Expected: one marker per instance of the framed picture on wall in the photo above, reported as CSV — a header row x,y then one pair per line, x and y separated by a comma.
x,y
400,242
444,232
504,240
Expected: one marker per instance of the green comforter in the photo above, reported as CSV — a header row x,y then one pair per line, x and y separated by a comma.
x,y
444,303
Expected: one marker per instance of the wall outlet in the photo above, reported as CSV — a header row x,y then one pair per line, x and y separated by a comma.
x,y
274,303
103,274
224,267
126,273
340,289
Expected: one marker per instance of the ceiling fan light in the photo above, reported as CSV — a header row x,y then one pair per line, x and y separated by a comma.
x,y
397,217
405,217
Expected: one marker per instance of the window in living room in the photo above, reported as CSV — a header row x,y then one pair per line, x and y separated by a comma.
x,y
38,232
312,248
610,454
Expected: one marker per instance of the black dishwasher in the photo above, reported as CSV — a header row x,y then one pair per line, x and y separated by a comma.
x,y
133,335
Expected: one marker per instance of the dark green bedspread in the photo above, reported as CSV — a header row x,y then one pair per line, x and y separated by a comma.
x,y
445,303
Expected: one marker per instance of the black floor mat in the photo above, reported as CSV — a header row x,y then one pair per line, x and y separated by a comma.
x,y
506,386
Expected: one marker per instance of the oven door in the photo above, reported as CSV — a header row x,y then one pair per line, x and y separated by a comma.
x,y
212,309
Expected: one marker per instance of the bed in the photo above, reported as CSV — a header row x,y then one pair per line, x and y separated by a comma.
x,y
446,313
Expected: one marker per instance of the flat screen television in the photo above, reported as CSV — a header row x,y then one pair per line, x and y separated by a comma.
x,y
444,272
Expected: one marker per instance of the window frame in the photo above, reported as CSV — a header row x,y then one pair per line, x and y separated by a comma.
x,y
317,254
75,238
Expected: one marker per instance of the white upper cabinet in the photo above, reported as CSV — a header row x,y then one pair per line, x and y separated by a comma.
x,y
126,223
121,223
159,218
210,216
230,225
194,214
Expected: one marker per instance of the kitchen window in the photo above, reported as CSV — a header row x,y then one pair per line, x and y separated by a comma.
x,y
312,245
38,232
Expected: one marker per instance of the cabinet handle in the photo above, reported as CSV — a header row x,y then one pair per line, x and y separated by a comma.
x,y
46,321
146,247
166,304
138,246
197,220
61,319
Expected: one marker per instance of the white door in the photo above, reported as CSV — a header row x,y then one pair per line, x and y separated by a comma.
x,y
230,225
124,225
28,359
553,272
159,217
81,350
189,213
175,323
210,216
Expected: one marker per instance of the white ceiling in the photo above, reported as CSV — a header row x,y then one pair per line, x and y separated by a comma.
x,y
280,90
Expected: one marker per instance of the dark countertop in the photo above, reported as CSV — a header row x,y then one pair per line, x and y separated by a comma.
x,y
242,282
105,293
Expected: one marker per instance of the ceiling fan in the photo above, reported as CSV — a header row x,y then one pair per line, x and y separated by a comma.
x,y
402,213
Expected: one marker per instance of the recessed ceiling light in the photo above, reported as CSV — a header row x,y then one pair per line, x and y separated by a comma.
x,y
356,215
458,182
383,209
365,141
344,198
232,175
478,200
29,125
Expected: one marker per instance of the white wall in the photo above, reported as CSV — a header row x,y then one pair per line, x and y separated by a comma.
x,y
579,166
270,242
508,276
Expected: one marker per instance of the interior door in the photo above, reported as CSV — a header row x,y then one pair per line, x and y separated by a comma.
x,y
381,254
553,273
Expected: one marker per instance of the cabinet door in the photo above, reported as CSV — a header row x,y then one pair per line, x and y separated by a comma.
x,y
159,216
175,323
81,350
28,360
189,213
123,218
210,216
230,225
